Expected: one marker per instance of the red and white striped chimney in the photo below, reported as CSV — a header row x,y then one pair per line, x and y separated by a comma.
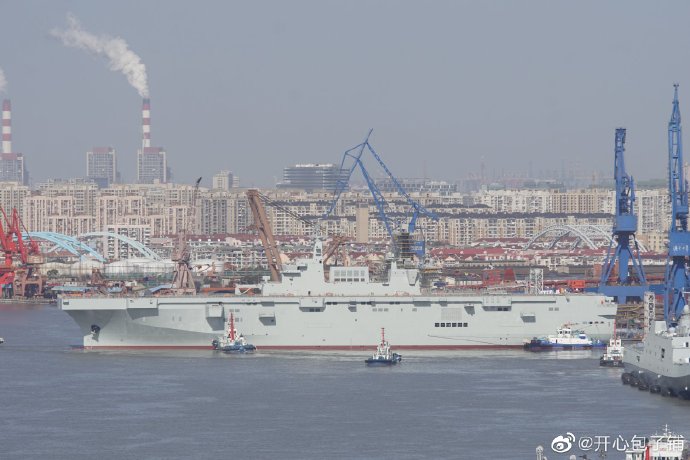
x,y
146,123
6,126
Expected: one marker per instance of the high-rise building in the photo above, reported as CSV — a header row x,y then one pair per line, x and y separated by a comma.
x,y
152,164
101,166
310,177
225,180
12,167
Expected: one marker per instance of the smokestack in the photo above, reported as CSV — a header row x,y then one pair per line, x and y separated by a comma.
x,y
6,126
146,123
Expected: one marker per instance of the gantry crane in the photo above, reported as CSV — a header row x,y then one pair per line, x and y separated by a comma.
x,y
676,276
627,285
400,236
183,281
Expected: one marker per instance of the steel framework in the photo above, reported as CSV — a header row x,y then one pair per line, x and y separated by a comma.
x,y
620,253
676,276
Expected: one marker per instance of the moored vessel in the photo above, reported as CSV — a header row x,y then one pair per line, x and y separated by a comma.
x,y
613,353
383,356
232,342
661,362
565,339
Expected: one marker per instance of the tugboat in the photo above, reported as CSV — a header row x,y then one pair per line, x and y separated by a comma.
x,y
613,354
232,343
666,446
383,355
565,339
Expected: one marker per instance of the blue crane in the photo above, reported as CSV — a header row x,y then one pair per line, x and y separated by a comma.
x,y
624,228
676,276
392,227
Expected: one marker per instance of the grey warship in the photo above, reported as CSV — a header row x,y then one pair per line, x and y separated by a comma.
x,y
307,310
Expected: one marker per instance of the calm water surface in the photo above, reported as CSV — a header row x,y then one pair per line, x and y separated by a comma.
x,y
57,402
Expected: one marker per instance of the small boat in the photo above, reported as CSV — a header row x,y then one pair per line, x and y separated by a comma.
x,y
565,339
2,340
231,342
383,355
664,446
613,354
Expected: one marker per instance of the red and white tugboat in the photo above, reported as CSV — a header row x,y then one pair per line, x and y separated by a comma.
x,y
383,356
231,342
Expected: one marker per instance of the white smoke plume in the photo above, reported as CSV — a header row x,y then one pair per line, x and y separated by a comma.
x,y
3,81
114,49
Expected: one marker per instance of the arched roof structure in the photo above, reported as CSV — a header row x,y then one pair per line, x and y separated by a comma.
x,y
77,247
587,234
141,248
67,243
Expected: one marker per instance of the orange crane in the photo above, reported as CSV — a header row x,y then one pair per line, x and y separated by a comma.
x,y
263,226
183,282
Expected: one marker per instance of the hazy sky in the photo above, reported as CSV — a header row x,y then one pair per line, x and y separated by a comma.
x,y
257,85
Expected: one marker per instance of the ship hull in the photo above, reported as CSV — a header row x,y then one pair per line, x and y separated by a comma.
x,y
667,385
336,323
660,363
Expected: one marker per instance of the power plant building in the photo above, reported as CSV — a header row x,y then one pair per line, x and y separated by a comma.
x,y
152,163
12,167
101,166
312,177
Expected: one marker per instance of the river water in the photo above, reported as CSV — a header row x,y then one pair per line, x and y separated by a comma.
x,y
61,402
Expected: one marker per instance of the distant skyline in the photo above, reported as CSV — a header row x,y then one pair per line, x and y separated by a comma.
x,y
253,87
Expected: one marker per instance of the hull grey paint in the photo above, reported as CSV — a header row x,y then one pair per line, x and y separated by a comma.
x,y
338,322
304,310
663,359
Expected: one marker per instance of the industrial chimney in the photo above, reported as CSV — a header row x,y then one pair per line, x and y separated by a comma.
x,y
152,163
6,126
146,123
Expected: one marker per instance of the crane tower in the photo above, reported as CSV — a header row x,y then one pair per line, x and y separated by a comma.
x,y
676,280
627,284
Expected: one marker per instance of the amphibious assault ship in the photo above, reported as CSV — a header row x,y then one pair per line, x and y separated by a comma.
x,y
307,310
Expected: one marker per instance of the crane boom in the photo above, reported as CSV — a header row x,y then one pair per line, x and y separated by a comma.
x,y
183,281
265,231
392,228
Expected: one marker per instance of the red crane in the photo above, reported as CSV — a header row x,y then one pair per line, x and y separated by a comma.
x,y
21,257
